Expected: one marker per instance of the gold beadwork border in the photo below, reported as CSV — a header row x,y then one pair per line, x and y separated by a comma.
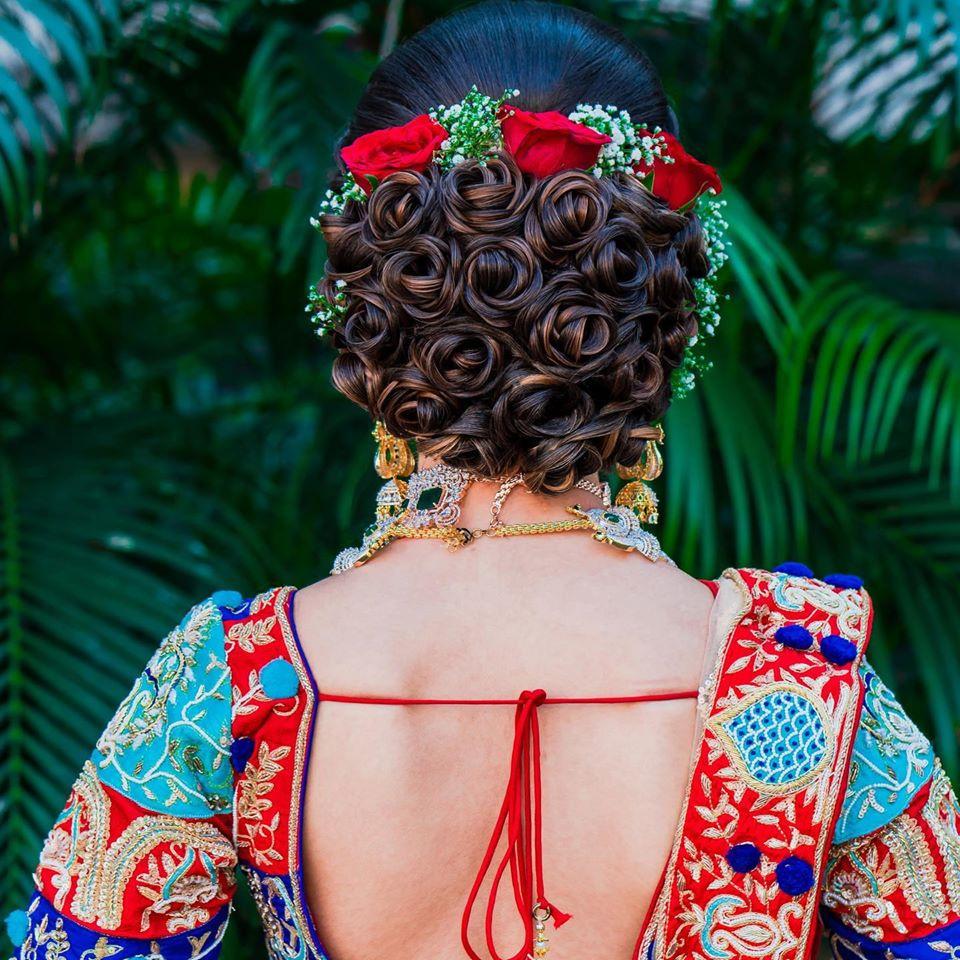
x,y
304,918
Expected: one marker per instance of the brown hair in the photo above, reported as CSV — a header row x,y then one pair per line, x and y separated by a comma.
x,y
511,324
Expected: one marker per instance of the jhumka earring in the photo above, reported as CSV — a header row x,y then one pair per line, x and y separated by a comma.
x,y
636,494
394,458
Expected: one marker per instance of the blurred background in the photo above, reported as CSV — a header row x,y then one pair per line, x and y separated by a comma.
x,y
166,422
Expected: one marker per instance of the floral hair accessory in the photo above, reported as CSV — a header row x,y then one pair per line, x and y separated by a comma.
x,y
546,143
376,155
602,140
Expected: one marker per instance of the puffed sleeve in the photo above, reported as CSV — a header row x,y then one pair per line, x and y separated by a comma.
x,y
140,865
892,885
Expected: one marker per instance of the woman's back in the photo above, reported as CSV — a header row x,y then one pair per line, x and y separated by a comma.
x,y
401,801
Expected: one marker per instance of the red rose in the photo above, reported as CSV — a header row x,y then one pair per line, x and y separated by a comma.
x,y
546,143
382,152
680,182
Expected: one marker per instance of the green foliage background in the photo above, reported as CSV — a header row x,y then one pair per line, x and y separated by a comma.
x,y
166,422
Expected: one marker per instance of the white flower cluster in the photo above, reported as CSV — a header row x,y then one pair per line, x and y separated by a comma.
x,y
709,209
473,126
334,201
327,314
631,145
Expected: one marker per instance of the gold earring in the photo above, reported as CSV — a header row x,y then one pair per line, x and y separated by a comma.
x,y
651,462
393,458
641,499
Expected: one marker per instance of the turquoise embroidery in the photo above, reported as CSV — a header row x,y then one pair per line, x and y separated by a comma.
x,y
892,760
168,745
780,737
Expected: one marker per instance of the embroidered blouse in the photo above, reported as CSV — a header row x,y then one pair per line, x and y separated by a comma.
x,y
814,804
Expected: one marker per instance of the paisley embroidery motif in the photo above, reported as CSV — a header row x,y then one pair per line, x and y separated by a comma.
x,y
897,884
916,870
778,737
730,929
942,814
183,867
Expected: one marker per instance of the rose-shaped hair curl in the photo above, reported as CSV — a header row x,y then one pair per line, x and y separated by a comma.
x,y
485,198
462,359
501,274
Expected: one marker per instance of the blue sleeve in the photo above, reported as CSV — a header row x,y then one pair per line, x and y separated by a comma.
x,y
892,883
140,865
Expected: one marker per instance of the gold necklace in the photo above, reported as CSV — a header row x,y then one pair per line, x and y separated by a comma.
x,y
617,524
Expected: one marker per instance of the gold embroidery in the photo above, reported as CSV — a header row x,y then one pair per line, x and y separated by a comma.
x,y
249,634
78,848
865,882
56,941
281,933
78,835
177,894
823,793
256,832
301,912
916,869
102,949
942,814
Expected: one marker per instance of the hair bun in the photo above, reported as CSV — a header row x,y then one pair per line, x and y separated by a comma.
x,y
509,324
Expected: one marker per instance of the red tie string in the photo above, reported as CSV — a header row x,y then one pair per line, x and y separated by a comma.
x,y
520,811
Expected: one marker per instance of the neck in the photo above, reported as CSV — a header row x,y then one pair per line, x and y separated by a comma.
x,y
521,505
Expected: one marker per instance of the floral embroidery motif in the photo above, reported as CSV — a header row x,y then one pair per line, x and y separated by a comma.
x,y
892,760
52,937
862,890
167,746
256,832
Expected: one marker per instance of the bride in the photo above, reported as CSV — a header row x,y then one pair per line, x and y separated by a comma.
x,y
509,724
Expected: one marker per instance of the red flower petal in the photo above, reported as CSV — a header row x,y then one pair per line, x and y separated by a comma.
x,y
408,147
681,182
545,143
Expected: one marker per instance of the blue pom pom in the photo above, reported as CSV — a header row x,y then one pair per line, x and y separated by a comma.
x,y
279,679
227,598
794,569
795,876
795,636
843,581
18,924
743,857
838,650
241,750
